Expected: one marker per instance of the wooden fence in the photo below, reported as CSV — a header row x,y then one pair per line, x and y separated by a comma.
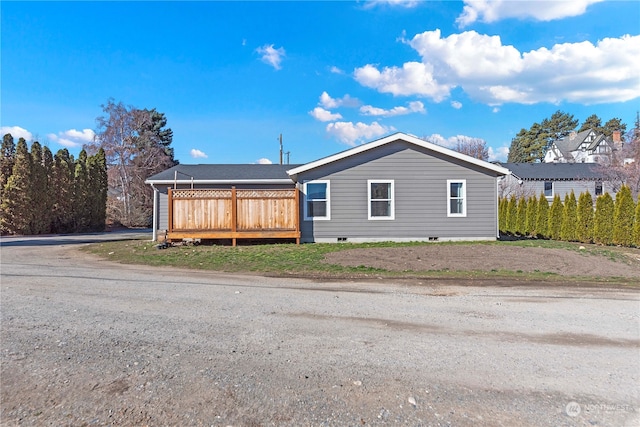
x,y
233,214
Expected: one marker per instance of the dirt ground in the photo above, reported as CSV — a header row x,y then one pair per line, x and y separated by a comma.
x,y
626,264
87,342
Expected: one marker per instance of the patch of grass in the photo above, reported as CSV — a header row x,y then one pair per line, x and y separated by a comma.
x,y
308,259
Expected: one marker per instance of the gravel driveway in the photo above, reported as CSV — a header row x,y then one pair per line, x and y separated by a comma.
x,y
88,342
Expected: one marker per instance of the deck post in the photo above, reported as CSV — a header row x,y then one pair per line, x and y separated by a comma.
x,y
234,214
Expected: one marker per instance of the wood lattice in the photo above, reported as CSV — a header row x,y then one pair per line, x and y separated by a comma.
x,y
265,194
201,194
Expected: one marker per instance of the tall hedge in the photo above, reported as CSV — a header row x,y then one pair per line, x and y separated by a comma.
x,y
569,218
542,217
584,229
623,217
17,198
603,224
555,218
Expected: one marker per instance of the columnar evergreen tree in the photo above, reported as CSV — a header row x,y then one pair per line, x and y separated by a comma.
x,y
636,226
532,211
48,202
17,204
512,213
555,218
98,186
584,230
7,159
603,224
502,214
62,181
521,217
623,217
81,194
542,217
569,218
39,217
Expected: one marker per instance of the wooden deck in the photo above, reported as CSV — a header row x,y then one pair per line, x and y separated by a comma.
x,y
233,214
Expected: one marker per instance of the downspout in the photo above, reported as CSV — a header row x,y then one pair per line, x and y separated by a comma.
x,y
154,236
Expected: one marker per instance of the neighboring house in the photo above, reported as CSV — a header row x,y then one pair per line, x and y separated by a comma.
x,y
397,188
528,179
584,147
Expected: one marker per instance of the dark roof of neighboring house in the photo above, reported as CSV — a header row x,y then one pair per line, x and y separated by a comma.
x,y
228,173
555,171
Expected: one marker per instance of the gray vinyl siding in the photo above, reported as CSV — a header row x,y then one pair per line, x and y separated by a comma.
x,y
163,211
420,183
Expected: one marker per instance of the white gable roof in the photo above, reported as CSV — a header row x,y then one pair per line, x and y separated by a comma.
x,y
392,138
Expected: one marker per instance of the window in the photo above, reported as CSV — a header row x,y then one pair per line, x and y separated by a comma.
x,y
548,189
380,194
457,198
598,188
316,200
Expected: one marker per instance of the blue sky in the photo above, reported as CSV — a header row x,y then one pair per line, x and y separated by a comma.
x,y
232,76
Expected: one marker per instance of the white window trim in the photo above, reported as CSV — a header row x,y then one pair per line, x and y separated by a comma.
x,y
328,200
553,189
464,197
393,198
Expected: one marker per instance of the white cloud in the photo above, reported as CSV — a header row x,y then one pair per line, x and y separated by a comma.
x,y
414,78
327,101
336,70
452,141
73,138
457,105
499,154
400,3
323,115
493,73
16,132
264,161
86,135
413,107
197,154
272,56
495,109
495,10
350,133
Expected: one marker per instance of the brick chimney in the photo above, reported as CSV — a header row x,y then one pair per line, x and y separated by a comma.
x,y
617,141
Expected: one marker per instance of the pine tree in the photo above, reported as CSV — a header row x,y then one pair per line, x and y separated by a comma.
x,y
521,217
532,211
542,217
512,208
17,205
636,226
584,231
603,220
555,218
569,218
47,206
623,217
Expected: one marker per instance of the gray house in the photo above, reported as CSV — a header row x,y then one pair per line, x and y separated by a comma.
x,y
550,179
398,188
